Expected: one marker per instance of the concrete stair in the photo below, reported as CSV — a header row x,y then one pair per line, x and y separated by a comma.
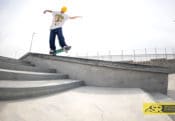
x,y
26,75
21,67
15,61
10,89
13,64
21,79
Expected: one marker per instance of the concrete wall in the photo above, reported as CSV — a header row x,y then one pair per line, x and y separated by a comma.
x,y
106,74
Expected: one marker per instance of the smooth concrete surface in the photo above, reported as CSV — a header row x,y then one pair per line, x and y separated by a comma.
x,y
12,66
105,74
12,89
6,74
82,104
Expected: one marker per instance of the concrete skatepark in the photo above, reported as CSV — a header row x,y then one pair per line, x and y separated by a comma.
x,y
42,87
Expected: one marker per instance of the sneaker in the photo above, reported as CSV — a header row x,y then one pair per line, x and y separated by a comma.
x,y
66,48
52,52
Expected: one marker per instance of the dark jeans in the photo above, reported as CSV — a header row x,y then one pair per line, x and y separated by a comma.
x,y
60,36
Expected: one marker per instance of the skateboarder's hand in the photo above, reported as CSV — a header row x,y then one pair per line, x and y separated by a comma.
x,y
45,11
74,17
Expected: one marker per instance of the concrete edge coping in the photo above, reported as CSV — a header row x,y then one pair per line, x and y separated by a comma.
x,y
109,64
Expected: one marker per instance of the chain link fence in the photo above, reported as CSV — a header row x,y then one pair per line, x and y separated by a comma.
x,y
137,55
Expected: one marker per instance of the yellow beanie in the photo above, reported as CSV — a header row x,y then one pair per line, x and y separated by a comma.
x,y
64,9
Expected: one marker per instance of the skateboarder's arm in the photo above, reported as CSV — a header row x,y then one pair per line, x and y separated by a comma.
x,y
74,17
45,11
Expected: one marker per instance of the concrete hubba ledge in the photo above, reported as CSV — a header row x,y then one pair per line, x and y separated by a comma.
x,y
105,73
118,65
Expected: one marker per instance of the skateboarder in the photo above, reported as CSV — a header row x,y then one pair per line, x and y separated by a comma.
x,y
59,18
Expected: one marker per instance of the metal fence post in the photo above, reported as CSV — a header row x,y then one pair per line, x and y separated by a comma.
x,y
156,53
98,56
173,53
134,55
122,55
110,56
87,56
146,55
166,54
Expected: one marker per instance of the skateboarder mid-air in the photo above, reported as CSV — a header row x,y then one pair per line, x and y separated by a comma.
x,y
59,18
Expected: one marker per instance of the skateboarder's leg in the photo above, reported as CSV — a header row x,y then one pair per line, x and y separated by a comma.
x,y
61,38
52,40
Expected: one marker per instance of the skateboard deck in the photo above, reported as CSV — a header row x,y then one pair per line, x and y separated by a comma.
x,y
59,51
62,50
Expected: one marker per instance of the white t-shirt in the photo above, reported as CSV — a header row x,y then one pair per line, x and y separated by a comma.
x,y
58,19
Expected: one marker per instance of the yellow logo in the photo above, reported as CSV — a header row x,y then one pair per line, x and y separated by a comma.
x,y
58,18
159,108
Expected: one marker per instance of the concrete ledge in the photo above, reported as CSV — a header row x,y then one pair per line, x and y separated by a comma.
x,y
118,65
105,73
17,90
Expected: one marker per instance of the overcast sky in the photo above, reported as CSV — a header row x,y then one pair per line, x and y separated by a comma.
x,y
106,25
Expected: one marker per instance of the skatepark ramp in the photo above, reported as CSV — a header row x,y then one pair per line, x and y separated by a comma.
x,y
90,89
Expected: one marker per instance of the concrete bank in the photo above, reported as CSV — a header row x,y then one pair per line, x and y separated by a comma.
x,y
104,73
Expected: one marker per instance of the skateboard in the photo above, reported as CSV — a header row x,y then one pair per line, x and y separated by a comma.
x,y
62,50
